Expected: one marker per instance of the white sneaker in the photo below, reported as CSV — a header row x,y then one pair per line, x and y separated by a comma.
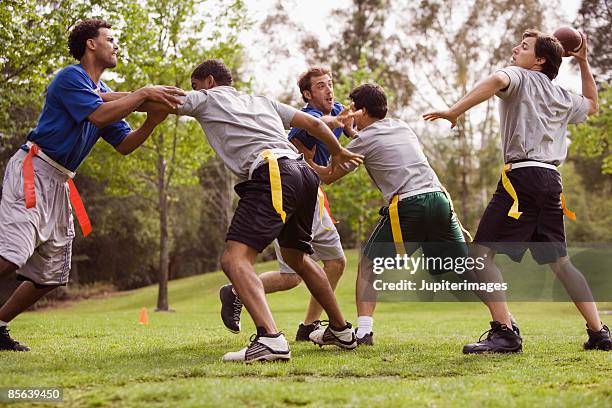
x,y
344,338
262,348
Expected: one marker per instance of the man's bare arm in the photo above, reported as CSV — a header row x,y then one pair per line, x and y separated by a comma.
x,y
327,177
137,137
589,88
123,105
482,91
146,106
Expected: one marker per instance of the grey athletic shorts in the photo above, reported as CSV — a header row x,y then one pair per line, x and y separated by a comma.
x,y
325,241
38,240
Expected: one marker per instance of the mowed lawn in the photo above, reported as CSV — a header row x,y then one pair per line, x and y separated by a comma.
x,y
101,356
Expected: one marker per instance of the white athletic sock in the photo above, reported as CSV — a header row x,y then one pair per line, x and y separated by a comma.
x,y
364,325
3,323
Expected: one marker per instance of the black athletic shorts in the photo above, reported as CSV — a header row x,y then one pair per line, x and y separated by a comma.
x,y
540,228
256,223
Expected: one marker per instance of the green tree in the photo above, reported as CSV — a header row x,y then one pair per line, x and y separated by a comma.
x,y
593,139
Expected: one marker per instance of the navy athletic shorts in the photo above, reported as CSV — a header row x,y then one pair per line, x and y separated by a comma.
x,y
540,228
256,223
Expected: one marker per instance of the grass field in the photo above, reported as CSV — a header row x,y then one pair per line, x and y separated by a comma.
x,y
101,356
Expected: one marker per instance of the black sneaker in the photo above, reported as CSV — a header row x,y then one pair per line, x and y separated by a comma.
x,y
366,340
599,340
262,348
515,325
231,308
344,338
8,344
500,339
304,330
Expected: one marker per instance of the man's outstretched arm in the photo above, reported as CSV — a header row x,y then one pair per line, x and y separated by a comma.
x,y
137,137
482,91
589,88
118,105
147,105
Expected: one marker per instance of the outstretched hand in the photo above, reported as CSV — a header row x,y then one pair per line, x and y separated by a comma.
x,y
167,95
444,114
343,119
345,156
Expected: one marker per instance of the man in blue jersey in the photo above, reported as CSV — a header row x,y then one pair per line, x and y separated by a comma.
x,y
317,89
36,224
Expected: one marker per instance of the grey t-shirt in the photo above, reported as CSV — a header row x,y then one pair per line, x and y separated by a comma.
x,y
240,126
534,114
393,158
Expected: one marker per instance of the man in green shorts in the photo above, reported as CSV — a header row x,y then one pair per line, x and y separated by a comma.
x,y
419,214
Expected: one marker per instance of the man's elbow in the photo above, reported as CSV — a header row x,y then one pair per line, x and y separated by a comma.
x,y
593,107
97,120
500,81
123,150
326,180
317,127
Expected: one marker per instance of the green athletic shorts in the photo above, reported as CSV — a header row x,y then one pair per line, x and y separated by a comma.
x,y
426,221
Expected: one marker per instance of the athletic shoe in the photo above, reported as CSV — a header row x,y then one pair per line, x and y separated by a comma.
x,y
304,330
366,340
344,338
599,340
500,339
231,308
8,344
262,348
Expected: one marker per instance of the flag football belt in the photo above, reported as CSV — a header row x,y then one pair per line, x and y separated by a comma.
x,y
514,209
396,229
450,201
275,183
324,206
30,190
276,189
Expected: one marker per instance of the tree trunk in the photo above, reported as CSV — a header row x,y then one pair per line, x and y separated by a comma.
x,y
162,297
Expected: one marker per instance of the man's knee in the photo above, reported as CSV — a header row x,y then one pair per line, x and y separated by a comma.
x,y
291,279
46,288
561,265
335,267
297,263
230,263
237,257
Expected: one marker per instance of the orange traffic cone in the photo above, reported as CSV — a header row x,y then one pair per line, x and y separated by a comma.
x,y
144,317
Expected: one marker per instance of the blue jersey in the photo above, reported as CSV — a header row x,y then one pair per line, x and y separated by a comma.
x,y
63,132
322,155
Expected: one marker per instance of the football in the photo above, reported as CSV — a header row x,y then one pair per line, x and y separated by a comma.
x,y
570,39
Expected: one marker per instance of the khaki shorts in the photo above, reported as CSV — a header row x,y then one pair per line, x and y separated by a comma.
x,y
325,241
38,240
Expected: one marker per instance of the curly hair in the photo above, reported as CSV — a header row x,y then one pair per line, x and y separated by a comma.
x,y
82,32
